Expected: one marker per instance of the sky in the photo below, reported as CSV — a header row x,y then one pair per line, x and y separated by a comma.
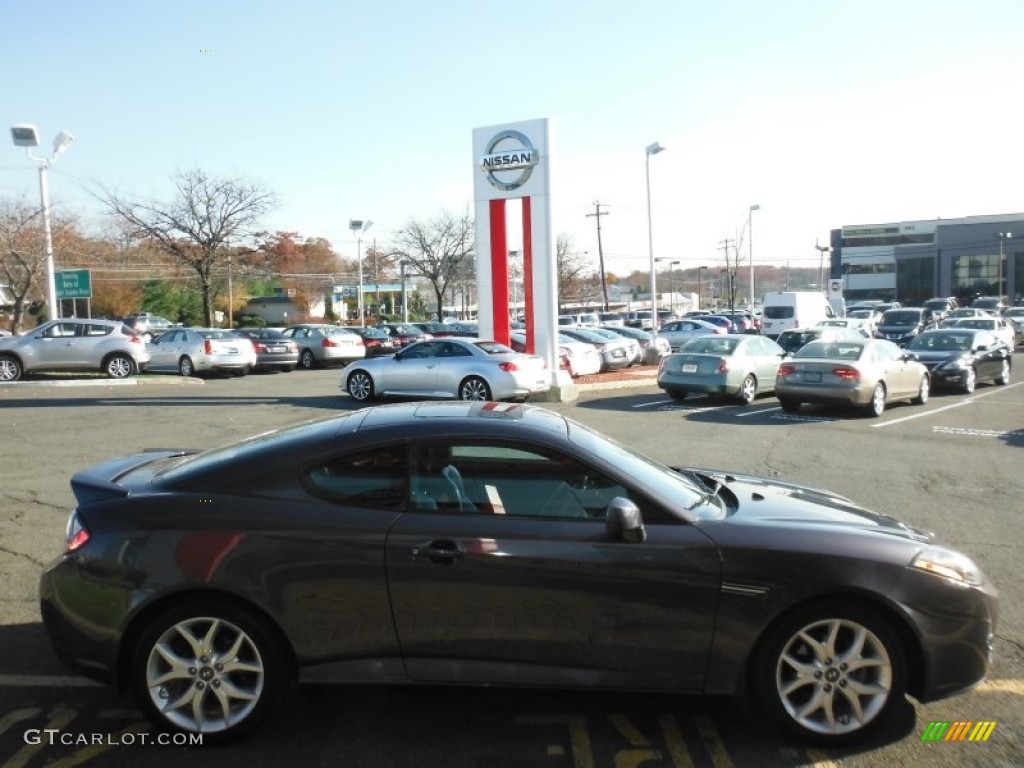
x,y
823,113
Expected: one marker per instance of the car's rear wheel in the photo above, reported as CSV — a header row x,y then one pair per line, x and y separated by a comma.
x,y
970,380
207,668
360,386
676,394
10,369
923,391
474,388
1004,373
877,405
287,368
185,366
789,405
830,674
748,390
119,366
307,360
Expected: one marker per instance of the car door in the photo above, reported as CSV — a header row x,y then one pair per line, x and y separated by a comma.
x,y
525,585
413,371
94,341
768,356
990,362
58,346
163,350
453,362
901,376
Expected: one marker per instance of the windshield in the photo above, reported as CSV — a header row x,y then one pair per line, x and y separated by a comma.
x,y
659,481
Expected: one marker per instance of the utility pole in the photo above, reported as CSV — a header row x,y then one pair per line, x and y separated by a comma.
x,y
724,245
597,214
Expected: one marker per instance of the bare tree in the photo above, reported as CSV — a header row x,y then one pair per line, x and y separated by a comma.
x,y
438,250
571,269
195,224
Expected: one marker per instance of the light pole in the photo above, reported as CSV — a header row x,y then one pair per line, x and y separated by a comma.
x,y
26,135
700,286
1002,237
750,229
358,226
672,264
652,149
822,250
405,298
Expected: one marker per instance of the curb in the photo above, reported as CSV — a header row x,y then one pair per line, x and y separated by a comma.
x,y
133,382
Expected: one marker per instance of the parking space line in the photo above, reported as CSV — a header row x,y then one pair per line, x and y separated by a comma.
x,y
650,405
945,407
756,413
47,681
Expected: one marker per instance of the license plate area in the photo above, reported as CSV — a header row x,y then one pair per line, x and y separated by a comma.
x,y
689,367
812,377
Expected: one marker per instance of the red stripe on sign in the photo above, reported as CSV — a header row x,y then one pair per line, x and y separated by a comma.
x,y
499,272
531,346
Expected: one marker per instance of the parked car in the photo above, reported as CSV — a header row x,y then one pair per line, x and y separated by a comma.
x,y
653,347
870,318
741,321
274,350
1016,316
640,319
511,542
147,325
869,373
323,344
615,353
794,309
994,304
377,342
794,339
636,352
952,318
1001,327
962,357
679,332
900,326
404,333
940,307
612,319
460,368
106,346
576,357
440,330
736,365
852,323
192,351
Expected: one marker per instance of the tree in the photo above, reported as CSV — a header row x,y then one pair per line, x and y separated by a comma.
x,y
23,254
438,250
570,269
306,268
197,222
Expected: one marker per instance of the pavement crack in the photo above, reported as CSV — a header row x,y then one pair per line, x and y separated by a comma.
x,y
22,555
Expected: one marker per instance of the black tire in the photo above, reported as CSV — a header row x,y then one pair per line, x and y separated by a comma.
x,y
119,366
676,394
287,368
10,368
789,405
474,388
243,657
877,405
186,367
307,360
867,665
244,371
969,381
748,390
1004,373
359,385
923,391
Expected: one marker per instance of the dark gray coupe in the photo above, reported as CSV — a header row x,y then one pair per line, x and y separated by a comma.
x,y
498,544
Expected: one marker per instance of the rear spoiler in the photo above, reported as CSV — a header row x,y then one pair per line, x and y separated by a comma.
x,y
100,481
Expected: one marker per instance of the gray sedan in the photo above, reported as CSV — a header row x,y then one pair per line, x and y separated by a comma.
x,y
737,365
452,367
868,372
678,332
191,351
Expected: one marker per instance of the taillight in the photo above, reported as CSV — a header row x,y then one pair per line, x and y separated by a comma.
x,y
76,536
329,342
723,366
848,374
208,347
258,347
508,366
137,340
787,370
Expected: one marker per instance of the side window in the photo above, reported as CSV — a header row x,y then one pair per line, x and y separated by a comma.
x,y
61,331
374,478
91,329
423,349
482,478
453,350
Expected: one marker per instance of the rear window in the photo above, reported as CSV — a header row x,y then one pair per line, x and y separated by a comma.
x,y
778,313
711,345
494,348
831,350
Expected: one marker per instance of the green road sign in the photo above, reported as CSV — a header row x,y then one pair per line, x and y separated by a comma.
x,y
73,283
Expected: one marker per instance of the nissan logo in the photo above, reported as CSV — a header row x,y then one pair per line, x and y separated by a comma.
x,y
501,163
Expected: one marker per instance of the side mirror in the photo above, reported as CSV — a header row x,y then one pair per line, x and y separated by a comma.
x,y
982,348
912,356
624,521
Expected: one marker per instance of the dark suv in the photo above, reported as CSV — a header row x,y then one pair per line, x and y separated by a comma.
x,y
146,325
900,326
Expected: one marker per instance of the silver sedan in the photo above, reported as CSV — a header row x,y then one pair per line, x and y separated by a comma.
x,y
736,365
868,372
678,332
191,351
451,367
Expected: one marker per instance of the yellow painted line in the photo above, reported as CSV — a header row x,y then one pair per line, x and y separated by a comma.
x,y
820,759
59,719
716,748
1015,687
15,717
674,741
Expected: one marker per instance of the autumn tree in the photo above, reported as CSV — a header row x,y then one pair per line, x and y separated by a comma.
x,y
570,269
439,250
196,223
306,268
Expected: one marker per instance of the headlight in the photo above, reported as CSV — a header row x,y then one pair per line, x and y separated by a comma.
x,y
955,365
949,564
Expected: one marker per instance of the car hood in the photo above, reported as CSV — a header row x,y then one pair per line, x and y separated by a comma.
x,y
763,501
938,355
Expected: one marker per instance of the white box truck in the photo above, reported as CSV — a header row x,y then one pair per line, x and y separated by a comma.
x,y
793,309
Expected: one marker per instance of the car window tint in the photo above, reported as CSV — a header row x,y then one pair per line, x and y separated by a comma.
x,y
94,329
61,330
493,347
453,350
374,478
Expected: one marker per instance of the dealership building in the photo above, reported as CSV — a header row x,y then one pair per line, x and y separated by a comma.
x,y
913,261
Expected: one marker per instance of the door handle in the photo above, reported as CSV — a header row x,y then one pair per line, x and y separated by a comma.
x,y
439,551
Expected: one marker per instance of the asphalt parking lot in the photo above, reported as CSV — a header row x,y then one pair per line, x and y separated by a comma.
x,y
952,465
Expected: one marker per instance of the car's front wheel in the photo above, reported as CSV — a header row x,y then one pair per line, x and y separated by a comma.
x,y
10,369
208,668
830,674
1004,373
970,380
360,386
